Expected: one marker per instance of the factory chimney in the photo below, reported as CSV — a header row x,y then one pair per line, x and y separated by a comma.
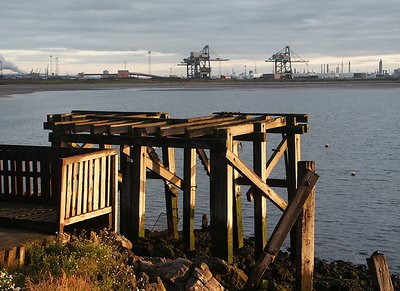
x,y
349,67
380,67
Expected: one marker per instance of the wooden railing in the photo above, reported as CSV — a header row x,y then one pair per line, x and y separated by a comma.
x,y
79,183
89,187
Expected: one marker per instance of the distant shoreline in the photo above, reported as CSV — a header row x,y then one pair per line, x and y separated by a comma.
x,y
12,87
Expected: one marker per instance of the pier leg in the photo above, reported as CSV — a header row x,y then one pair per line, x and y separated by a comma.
x,y
293,153
189,197
260,202
138,154
238,241
305,231
125,194
221,202
171,193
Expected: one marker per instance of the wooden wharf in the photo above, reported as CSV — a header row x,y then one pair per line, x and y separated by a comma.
x,y
214,139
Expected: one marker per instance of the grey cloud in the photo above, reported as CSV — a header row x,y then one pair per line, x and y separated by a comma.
x,y
256,27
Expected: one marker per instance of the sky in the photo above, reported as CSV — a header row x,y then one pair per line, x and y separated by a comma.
x,y
95,35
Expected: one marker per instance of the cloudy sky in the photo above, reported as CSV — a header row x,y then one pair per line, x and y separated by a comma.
x,y
94,35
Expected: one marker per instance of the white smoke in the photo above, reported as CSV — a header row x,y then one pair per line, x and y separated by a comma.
x,y
6,65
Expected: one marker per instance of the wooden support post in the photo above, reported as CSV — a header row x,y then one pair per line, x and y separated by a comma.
x,y
138,154
238,241
379,271
171,193
282,229
125,194
293,153
189,197
221,204
305,231
260,202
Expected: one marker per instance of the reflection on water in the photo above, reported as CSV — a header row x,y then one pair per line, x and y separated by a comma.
x,y
355,215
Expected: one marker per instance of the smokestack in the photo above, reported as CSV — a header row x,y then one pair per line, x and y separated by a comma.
x,y
349,67
6,65
380,67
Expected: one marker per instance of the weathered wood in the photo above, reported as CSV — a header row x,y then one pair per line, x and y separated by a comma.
x,y
244,170
282,229
260,202
238,238
221,201
279,183
126,226
293,146
189,197
379,272
275,157
305,240
180,128
171,192
138,154
164,173
204,160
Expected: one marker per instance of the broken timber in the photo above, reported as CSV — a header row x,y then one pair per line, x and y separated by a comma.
x,y
215,139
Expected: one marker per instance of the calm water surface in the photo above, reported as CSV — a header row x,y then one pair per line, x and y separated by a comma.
x,y
355,215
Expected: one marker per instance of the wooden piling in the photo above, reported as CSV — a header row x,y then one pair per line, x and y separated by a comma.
x,y
260,202
238,241
379,271
138,206
282,229
221,200
189,197
171,193
305,231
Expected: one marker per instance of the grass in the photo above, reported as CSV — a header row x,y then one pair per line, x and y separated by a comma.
x,y
84,263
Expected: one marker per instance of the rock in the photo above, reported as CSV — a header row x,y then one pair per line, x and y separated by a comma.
x,y
144,265
175,271
123,242
202,279
237,278
158,286
216,265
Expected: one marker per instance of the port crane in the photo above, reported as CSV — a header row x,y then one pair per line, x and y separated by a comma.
x,y
198,64
283,60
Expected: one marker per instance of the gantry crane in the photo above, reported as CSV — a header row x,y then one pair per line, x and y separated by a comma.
x,y
283,62
198,64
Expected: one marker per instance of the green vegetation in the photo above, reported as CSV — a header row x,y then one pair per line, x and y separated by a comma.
x,y
81,264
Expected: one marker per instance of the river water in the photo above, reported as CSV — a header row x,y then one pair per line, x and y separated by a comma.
x,y
355,215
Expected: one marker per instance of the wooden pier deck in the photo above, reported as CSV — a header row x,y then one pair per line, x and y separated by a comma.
x,y
214,141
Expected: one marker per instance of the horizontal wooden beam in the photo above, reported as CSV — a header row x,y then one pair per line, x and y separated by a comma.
x,y
296,129
299,116
279,183
173,142
244,170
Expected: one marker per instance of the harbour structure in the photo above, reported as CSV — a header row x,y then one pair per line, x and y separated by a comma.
x,y
198,64
214,140
283,60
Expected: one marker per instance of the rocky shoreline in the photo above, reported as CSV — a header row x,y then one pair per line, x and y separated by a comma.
x,y
161,263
